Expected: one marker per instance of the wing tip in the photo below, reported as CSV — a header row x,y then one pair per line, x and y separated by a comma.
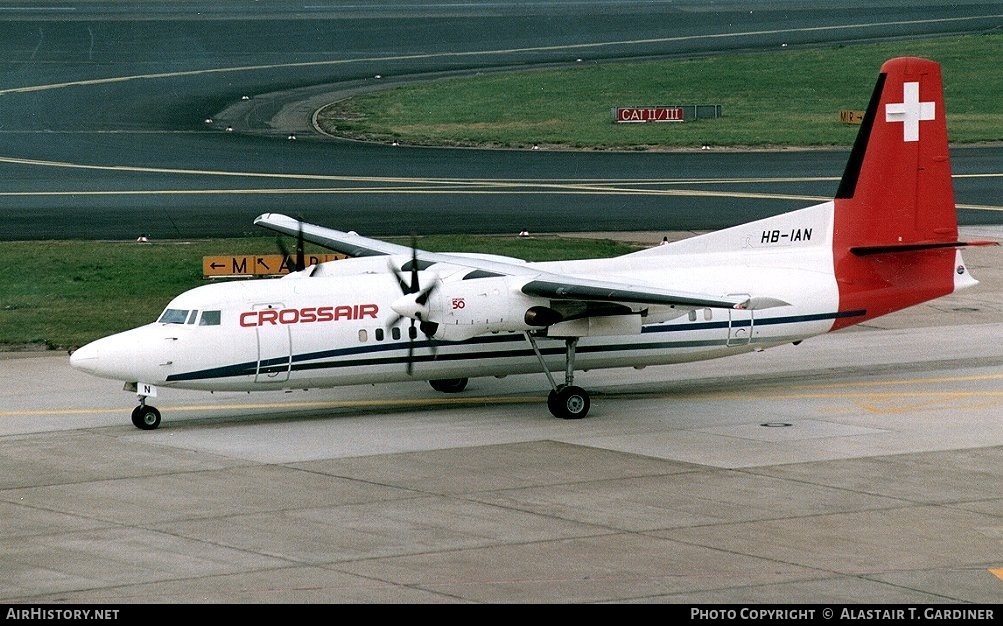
x,y
274,217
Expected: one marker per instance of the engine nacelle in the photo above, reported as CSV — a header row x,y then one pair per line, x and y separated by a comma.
x,y
466,308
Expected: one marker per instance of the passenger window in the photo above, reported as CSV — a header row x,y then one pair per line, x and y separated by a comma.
x,y
412,332
708,314
379,334
209,318
395,332
363,335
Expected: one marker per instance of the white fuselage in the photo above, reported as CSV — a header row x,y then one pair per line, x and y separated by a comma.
x,y
334,327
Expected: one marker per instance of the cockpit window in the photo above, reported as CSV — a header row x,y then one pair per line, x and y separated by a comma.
x,y
192,316
173,316
209,318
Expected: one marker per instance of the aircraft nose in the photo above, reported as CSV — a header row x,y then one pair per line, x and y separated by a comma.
x,y
115,357
86,358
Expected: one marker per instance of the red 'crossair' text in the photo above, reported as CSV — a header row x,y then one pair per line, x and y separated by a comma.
x,y
263,317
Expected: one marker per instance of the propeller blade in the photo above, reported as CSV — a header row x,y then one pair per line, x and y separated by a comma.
x,y
414,265
287,260
410,357
300,260
429,328
409,286
422,297
400,277
411,334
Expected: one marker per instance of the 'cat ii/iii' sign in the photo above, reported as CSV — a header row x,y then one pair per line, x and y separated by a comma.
x,y
649,114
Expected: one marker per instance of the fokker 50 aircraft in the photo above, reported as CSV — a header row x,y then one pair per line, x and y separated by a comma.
x,y
888,240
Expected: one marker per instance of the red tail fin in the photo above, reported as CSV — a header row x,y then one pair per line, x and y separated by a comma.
x,y
895,224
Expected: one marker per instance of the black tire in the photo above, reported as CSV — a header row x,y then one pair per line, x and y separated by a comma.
x,y
449,385
570,402
552,402
145,417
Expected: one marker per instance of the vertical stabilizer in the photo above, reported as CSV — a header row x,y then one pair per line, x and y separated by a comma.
x,y
895,226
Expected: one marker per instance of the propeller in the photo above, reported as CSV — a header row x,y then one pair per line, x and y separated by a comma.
x,y
415,306
300,261
407,287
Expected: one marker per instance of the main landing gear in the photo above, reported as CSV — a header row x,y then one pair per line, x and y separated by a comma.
x,y
144,416
565,401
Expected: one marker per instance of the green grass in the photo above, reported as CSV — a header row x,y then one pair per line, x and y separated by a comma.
x,y
63,294
783,98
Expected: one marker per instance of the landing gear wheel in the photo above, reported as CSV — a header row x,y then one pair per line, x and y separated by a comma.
x,y
569,402
552,401
145,417
449,385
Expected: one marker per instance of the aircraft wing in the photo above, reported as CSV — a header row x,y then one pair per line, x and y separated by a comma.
x,y
351,244
355,245
539,282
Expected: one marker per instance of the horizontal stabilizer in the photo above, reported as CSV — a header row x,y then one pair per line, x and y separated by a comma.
x,y
912,247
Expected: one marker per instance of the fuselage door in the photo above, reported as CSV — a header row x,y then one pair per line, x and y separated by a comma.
x,y
274,345
741,323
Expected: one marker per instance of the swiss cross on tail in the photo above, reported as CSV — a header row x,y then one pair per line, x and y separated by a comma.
x,y
895,229
910,112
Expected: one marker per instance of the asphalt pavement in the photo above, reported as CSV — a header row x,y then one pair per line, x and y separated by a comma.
x,y
858,468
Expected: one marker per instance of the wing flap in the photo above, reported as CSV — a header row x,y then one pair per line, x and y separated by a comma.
x,y
596,291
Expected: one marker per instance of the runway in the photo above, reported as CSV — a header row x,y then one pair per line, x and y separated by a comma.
x,y
861,467
113,117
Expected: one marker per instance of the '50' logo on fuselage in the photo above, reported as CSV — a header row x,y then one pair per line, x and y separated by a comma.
x,y
304,315
458,303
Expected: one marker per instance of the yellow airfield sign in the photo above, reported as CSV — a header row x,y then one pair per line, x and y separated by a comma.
x,y
258,264
847,116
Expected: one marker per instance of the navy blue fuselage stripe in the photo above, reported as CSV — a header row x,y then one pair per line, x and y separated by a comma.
x,y
312,360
